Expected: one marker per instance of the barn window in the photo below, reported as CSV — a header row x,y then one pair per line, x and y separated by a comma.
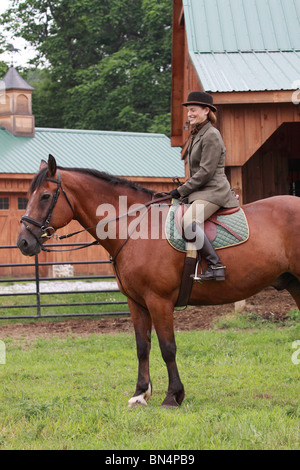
x,y
22,203
4,203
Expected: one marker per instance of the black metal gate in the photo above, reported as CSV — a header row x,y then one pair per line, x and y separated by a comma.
x,y
38,305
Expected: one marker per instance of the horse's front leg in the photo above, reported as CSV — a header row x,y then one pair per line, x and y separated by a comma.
x,y
162,315
142,325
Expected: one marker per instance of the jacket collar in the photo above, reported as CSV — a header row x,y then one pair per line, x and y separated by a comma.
x,y
204,129
200,134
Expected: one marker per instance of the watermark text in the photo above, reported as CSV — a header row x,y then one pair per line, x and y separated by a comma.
x,y
296,93
296,354
138,221
2,353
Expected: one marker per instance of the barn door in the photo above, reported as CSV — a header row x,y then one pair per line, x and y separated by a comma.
x,y
294,177
12,206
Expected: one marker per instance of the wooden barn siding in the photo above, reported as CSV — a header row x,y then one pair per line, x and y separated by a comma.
x,y
245,128
14,186
178,56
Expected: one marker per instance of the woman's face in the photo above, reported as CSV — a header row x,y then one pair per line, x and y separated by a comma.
x,y
197,114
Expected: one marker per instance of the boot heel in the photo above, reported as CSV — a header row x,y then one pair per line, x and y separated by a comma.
x,y
220,277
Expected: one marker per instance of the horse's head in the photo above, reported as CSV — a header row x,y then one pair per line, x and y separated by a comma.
x,y
46,210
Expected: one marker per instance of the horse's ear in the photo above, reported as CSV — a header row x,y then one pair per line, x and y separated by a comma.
x,y
51,166
43,164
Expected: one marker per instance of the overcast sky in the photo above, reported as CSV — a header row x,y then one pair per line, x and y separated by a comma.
x,y
26,53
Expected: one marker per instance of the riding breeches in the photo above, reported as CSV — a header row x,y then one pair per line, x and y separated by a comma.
x,y
198,212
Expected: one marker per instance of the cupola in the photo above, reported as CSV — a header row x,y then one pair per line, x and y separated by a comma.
x,y
16,104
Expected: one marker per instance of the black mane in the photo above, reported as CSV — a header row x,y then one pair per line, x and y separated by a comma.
x,y
40,178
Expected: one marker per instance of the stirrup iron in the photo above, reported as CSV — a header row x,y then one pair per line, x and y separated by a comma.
x,y
195,276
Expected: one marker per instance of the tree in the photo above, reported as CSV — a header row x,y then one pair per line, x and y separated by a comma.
x,y
109,61
45,91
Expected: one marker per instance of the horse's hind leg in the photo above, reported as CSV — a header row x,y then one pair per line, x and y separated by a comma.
x,y
142,326
162,315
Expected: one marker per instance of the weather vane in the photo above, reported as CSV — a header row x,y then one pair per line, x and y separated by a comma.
x,y
12,49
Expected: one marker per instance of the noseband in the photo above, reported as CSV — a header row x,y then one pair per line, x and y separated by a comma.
x,y
44,226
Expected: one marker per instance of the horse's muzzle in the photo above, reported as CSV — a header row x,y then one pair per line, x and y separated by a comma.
x,y
28,245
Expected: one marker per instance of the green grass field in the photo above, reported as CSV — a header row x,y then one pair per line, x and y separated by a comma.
x,y
242,391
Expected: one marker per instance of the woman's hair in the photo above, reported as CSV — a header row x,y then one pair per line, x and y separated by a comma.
x,y
212,117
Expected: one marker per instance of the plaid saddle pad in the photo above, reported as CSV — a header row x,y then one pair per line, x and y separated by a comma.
x,y
224,229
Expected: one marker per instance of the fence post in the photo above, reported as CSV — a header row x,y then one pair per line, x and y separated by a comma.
x,y
37,283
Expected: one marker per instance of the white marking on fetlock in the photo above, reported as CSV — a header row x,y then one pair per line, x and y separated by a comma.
x,y
140,399
148,392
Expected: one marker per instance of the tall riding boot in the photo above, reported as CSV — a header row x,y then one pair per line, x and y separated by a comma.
x,y
215,270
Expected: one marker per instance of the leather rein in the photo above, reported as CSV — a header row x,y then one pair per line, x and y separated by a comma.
x,y
48,232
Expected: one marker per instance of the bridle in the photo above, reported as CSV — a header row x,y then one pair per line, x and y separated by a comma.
x,y
46,230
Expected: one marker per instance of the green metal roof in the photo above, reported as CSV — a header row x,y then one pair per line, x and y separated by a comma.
x,y
118,153
242,25
242,45
248,71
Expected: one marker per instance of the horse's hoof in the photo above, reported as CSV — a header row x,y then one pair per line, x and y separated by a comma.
x,y
170,402
140,400
137,401
173,400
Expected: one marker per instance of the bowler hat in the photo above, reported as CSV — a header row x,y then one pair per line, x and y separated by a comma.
x,y
200,98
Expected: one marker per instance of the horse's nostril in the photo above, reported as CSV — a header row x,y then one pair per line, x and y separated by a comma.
x,y
24,243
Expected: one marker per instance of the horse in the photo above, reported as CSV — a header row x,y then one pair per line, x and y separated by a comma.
x,y
149,270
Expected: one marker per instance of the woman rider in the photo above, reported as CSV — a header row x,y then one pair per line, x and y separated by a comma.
x,y
207,188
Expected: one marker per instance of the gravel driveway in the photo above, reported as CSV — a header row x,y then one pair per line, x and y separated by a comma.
x,y
58,286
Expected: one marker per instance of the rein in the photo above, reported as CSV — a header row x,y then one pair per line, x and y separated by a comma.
x,y
147,204
46,228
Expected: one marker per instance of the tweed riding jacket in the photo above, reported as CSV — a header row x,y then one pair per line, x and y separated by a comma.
x,y
206,159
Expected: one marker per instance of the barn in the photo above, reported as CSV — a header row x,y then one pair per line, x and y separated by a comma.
x,y
246,53
147,159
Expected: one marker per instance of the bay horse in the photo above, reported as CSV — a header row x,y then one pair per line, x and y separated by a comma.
x,y
149,271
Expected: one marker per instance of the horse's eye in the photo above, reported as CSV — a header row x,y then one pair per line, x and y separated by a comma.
x,y
45,196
